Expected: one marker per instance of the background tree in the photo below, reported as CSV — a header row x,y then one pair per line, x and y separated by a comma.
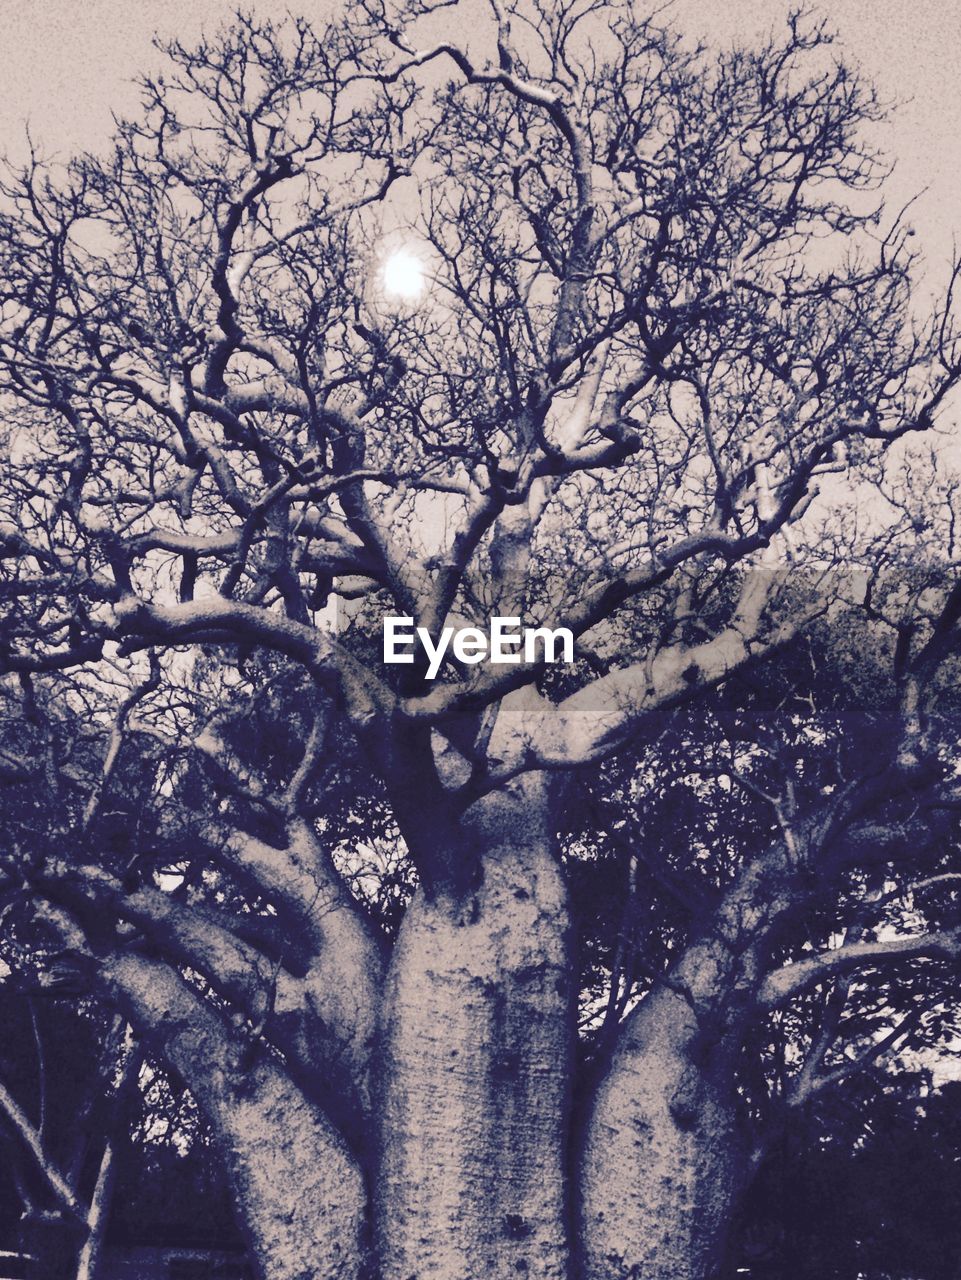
x,y
660,302
866,1187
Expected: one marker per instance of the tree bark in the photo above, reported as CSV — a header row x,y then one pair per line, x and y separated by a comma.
x,y
300,1195
475,1063
663,1160
663,1156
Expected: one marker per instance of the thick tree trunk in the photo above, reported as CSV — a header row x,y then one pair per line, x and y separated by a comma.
x,y
299,1193
475,1064
663,1160
469,1164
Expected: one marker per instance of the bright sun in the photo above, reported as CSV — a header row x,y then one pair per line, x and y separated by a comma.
x,y
404,276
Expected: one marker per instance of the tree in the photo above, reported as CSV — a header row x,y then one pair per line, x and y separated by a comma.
x,y
65,1102
660,303
870,1189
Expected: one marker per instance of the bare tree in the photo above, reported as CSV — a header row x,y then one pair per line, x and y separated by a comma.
x,y
658,302
65,1107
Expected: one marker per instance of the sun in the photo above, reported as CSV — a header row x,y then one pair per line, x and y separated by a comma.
x,y
404,276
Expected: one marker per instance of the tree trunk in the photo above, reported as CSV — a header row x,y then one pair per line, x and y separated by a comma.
x,y
299,1193
663,1160
475,1064
469,1165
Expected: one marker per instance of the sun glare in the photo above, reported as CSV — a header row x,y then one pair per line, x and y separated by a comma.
x,y
404,276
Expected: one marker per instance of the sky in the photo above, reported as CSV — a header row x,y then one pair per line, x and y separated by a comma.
x,y
67,63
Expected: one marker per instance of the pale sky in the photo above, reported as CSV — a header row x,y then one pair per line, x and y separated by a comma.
x,y
66,63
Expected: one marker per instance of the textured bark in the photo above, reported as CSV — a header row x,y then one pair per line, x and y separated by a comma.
x,y
663,1160
467,1152
475,1065
322,1018
299,1192
334,1023
315,1001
